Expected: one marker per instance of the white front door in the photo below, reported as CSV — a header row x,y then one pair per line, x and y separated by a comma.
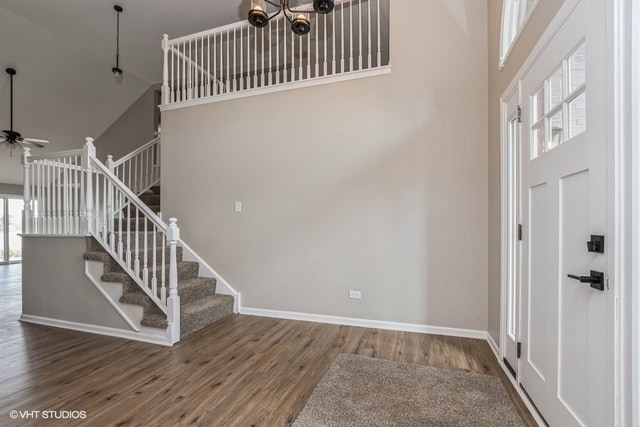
x,y
567,335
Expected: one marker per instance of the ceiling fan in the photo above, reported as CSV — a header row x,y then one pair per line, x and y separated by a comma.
x,y
11,137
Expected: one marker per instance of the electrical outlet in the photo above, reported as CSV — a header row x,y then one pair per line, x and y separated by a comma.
x,y
237,207
355,294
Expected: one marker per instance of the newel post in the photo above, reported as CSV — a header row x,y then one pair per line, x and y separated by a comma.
x,y
165,70
88,152
26,210
173,302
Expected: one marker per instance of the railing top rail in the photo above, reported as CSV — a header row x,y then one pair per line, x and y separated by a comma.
x,y
236,25
56,155
136,152
133,199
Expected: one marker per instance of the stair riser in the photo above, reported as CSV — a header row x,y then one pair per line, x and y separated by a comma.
x,y
191,322
191,294
150,199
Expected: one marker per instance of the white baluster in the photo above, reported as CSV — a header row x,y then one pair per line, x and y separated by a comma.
x,y
242,79
262,57
270,55
351,35
369,32
235,63
379,31
360,34
136,263
324,36
278,51
317,74
333,50
26,210
344,40
145,258
215,65
154,262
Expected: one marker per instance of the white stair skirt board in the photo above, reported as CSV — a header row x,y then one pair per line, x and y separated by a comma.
x,y
145,334
366,323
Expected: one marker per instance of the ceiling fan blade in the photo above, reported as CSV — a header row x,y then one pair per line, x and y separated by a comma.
x,y
37,142
2,139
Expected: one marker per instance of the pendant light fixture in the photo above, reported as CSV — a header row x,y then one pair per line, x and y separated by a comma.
x,y
299,19
117,71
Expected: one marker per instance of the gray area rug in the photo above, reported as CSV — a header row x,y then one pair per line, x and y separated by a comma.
x,y
362,391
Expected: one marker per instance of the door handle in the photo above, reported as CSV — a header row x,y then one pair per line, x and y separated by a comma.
x,y
595,279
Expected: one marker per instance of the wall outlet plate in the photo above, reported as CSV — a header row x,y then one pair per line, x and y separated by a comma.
x,y
355,294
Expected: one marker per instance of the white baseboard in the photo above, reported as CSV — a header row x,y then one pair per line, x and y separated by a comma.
x,y
94,329
494,346
365,323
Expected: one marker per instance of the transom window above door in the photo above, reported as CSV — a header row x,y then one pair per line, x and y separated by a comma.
x,y
558,107
515,14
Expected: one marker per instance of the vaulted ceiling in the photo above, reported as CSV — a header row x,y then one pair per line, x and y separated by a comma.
x,y
63,51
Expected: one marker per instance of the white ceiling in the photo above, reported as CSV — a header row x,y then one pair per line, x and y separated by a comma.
x,y
63,51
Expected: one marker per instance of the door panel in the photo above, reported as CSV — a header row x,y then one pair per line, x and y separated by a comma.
x,y
536,344
573,372
566,325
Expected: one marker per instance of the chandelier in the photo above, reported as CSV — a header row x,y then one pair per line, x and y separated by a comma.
x,y
299,19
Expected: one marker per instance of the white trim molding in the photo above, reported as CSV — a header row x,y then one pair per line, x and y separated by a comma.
x,y
352,75
95,329
365,323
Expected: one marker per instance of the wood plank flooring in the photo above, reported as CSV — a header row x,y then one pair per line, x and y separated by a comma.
x,y
242,371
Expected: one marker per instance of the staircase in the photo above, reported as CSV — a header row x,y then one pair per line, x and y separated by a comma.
x,y
158,285
200,306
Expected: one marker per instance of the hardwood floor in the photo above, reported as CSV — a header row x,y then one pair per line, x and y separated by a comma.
x,y
242,371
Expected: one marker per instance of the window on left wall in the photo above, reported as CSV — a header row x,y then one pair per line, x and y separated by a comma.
x,y
10,229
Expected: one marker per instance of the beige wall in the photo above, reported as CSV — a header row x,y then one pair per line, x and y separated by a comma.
x,y
498,82
54,285
377,185
132,129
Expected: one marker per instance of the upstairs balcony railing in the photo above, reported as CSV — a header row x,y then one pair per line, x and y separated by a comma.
x,y
230,61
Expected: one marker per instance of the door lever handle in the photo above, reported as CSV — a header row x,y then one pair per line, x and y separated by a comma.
x,y
595,279
584,279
